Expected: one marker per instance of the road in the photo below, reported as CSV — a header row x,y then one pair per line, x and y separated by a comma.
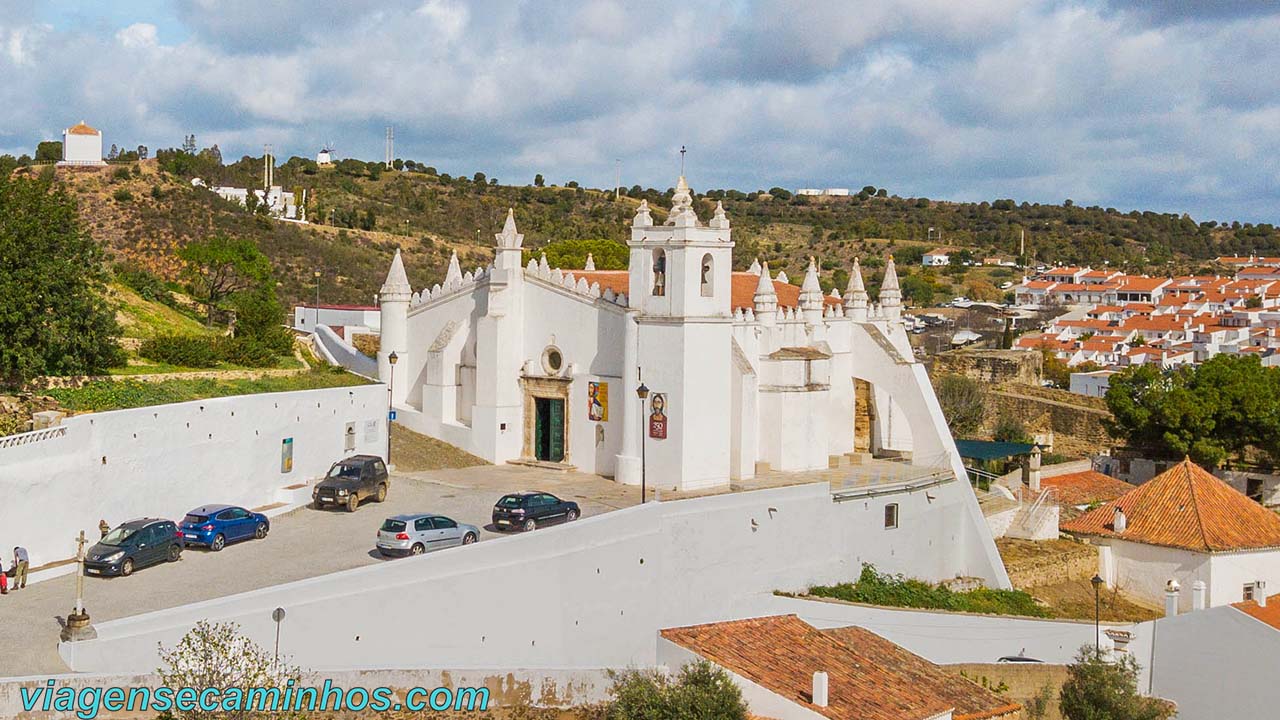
x,y
303,543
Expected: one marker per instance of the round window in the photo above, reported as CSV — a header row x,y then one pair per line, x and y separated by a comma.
x,y
552,360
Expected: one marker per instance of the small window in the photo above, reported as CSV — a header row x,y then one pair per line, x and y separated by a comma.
x,y
391,525
891,515
226,515
422,524
708,276
552,360
380,467
659,273
1249,591
443,523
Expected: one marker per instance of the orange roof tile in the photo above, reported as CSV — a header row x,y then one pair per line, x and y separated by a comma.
x,y
81,129
1137,283
741,296
1185,507
1087,486
781,653
1269,614
971,701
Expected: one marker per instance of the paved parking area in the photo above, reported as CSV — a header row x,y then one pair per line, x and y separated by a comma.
x,y
303,543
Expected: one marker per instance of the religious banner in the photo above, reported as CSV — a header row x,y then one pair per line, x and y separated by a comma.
x,y
658,416
598,401
286,455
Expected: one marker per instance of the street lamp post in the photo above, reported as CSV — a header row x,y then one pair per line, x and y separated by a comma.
x,y
316,320
391,389
642,392
1096,581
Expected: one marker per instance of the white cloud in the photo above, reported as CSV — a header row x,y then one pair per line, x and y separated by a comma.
x,y
989,98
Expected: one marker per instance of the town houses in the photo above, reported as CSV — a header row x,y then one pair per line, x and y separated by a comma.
x,y
1112,320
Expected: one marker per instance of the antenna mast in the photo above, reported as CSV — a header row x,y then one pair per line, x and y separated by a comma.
x,y
617,179
268,168
682,151
391,142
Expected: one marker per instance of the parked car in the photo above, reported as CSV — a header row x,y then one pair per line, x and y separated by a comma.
x,y
1021,657
418,533
135,544
216,525
351,480
526,510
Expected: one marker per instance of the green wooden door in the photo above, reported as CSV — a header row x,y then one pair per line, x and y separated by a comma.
x,y
555,418
540,428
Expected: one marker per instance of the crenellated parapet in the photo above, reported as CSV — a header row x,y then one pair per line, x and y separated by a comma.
x,y
566,280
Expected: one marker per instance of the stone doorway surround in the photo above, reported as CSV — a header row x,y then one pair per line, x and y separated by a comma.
x,y
553,388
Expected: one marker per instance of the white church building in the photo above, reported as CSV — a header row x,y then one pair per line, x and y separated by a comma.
x,y
81,145
745,371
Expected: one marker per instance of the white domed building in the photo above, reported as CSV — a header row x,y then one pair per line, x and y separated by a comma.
x,y
82,145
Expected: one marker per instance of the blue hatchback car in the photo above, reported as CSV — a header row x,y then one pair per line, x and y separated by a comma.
x,y
214,526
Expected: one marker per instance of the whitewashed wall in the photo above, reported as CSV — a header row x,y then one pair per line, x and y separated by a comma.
x,y
163,460
593,593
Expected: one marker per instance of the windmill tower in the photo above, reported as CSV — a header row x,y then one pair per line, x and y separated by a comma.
x,y
391,145
325,156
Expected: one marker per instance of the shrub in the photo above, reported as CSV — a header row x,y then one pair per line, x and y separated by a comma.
x,y
1100,688
182,350
120,173
217,655
245,351
1010,429
700,690
122,195
877,588
148,285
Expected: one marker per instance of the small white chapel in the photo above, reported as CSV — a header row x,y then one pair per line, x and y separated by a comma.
x,y
741,372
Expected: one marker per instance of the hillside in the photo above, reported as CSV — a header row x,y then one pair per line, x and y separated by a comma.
x,y
143,213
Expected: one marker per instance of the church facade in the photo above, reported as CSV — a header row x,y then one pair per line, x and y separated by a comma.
x,y
744,371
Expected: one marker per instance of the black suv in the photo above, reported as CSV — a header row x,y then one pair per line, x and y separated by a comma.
x,y
133,545
525,510
352,480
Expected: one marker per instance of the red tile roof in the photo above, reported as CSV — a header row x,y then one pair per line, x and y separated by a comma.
x,y
1269,614
1087,486
742,293
81,129
1185,507
1135,283
781,653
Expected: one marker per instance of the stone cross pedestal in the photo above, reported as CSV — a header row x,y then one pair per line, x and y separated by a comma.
x,y
78,627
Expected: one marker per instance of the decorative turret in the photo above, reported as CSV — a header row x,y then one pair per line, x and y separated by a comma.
x,y
682,214
811,294
507,245
591,264
890,295
755,267
453,277
766,297
782,277
642,218
855,296
394,300
719,220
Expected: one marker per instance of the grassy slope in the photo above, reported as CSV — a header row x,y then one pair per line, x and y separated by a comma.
x,y
429,217
116,395
144,319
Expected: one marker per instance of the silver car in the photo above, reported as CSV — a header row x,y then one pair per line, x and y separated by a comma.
x,y
418,533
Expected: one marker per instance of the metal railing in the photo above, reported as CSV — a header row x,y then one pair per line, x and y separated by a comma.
x,y
33,436
1036,512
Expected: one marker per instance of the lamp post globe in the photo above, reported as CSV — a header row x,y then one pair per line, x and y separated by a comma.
x,y
1096,581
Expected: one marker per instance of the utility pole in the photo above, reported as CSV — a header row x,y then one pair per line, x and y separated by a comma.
x,y
391,143
617,179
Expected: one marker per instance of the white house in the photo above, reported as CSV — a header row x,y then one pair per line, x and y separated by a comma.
x,y
1093,384
537,364
345,320
1187,526
935,258
81,145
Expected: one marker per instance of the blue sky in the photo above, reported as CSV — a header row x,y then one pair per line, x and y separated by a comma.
x,y
1171,106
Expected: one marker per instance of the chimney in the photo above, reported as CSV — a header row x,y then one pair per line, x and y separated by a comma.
x,y
820,688
1197,595
1171,589
1033,474
1118,521
1260,592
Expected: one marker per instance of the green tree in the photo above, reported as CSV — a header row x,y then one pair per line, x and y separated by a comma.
x,y
963,402
220,266
218,655
700,691
49,151
538,181
572,254
260,317
53,315
918,290
1098,689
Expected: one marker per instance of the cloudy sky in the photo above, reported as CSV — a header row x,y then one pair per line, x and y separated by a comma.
x,y
1111,103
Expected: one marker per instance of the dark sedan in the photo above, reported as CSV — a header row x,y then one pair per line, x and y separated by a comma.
x,y
527,510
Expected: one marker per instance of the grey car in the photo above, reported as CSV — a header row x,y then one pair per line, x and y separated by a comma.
x,y
417,533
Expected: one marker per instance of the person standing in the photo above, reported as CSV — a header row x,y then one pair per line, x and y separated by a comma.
x,y
4,579
20,563
103,527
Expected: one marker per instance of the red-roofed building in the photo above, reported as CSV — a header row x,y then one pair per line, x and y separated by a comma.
x,y
774,660
1186,525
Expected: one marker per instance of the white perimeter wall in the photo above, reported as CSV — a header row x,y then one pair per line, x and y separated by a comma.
x,y
163,460
593,593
